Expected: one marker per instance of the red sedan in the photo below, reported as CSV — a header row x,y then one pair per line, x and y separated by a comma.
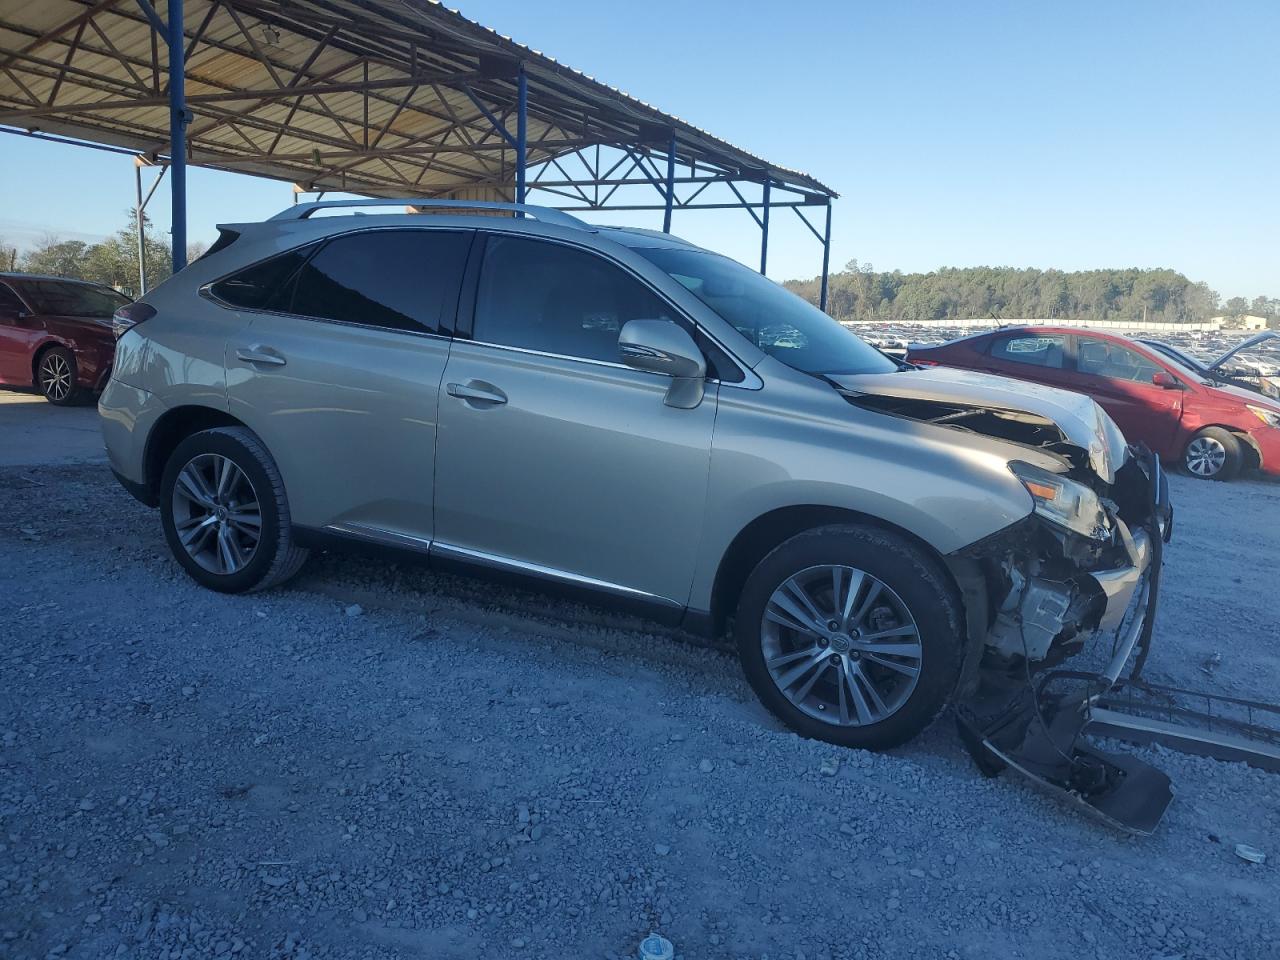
x,y
1214,429
56,335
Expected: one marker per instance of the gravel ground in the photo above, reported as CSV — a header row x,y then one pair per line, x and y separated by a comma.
x,y
381,762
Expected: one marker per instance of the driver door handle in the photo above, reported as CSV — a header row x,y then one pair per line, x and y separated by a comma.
x,y
260,354
474,390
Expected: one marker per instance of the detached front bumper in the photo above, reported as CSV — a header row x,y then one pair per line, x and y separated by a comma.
x,y
1031,718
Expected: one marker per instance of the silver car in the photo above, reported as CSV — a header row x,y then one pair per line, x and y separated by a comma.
x,y
623,414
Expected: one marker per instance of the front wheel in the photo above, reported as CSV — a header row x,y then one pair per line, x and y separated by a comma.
x,y
851,635
225,513
1214,454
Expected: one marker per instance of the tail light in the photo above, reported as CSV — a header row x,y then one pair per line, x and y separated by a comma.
x,y
129,316
921,362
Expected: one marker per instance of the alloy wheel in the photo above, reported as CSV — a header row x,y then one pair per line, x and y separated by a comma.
x,y
216,514
841,646
1206,456
55,376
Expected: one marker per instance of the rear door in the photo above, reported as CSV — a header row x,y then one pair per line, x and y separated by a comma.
x,y
340,376
1119,378
554,458
1030,355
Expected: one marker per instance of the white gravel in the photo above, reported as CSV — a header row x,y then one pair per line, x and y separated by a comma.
x,y
380,762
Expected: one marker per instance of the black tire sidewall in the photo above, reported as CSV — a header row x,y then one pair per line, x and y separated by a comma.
x,y
73,395
906,569
226,445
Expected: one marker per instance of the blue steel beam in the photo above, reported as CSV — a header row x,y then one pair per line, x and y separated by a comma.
x,y
522,125
671,183
764,228
178,120
826,261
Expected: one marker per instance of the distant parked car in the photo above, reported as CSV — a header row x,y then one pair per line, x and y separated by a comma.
x,y
1215,429
1220,372
56,335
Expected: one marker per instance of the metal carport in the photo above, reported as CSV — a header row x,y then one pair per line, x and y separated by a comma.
x,y
384,98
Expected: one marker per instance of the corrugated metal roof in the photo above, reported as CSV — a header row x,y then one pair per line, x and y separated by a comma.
x,y
375,97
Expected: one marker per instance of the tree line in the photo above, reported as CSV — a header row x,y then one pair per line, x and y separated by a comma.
x,y
113,261
859,292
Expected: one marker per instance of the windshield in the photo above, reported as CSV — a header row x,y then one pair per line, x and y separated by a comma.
x,y
773,318
70,299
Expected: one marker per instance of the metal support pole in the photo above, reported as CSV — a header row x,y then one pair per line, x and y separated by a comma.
x,y
142,240
178,134
826,260
671,183
522,122
764,228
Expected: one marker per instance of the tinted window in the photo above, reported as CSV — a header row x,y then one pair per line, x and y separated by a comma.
x,y
777,321
1037,350
61,297
261,286
402,279
1102,358
555,299
9,301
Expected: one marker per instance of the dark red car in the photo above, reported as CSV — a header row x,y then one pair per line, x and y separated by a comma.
x,y
56,335
1214,429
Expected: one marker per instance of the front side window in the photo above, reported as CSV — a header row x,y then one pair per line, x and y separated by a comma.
x,y
773,318
1036,350
61,298
1102,358
557,299
399,279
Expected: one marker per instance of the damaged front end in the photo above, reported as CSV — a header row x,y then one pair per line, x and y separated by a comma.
x,y
1076,580
1056,593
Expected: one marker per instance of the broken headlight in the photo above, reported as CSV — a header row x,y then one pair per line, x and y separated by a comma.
x,y
1064,502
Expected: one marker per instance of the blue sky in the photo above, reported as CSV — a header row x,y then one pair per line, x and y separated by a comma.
x,y
1071,135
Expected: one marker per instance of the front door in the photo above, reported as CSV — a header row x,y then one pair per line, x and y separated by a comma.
x,y
341,376
554,458
17,336
1119,378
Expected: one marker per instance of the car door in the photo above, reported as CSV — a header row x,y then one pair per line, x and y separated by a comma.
x,y
18,333
1120,378
554,458
340,375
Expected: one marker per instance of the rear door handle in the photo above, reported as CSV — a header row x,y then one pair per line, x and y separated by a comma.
x,y
260,354
477,391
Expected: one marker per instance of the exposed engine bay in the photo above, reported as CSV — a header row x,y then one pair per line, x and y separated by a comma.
x,y
1077,581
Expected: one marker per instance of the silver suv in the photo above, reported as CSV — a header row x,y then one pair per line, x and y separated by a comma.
x,y
622,413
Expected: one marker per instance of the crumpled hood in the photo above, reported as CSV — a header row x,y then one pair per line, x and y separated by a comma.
x,y
1083,423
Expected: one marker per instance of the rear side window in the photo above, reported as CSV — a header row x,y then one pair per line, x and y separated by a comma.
x,y
398,279
556,299
263,285
1036,350
9,301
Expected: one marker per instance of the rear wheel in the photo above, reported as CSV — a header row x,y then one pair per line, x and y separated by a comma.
x,y
56,376
851,635
225,513
1214,454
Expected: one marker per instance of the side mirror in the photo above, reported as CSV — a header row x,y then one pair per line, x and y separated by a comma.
x,y
1166,380
662,346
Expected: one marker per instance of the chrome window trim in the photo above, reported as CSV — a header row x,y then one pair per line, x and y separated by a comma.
x,y
751,382
453,552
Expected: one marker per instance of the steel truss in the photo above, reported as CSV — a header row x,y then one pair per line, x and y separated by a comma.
x,y
374,97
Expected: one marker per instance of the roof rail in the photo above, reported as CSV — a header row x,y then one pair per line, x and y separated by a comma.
x,y
301,211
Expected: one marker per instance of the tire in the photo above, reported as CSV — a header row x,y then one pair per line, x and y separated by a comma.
x,y
211,506
56,377
1213,454
913,591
